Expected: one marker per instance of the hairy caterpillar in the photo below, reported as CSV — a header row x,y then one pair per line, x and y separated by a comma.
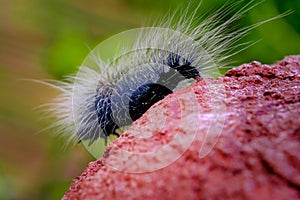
x,y
107,94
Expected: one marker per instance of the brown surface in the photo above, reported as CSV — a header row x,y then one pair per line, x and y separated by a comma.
x,y
256,156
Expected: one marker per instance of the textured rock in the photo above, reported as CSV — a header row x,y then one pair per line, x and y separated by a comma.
x,y
237,137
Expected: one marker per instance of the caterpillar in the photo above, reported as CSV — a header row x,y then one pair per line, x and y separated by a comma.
x,y
110,92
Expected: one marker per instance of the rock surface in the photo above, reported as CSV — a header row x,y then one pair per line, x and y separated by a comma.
x,y
237,137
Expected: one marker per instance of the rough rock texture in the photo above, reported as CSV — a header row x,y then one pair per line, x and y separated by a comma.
x,y
255,115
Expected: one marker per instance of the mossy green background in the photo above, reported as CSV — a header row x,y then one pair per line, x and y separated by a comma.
x,y
43,39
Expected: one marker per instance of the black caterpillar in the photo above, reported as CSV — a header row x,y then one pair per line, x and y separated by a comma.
x,y
106,95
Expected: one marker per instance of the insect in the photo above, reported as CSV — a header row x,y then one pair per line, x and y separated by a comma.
x,y
106,95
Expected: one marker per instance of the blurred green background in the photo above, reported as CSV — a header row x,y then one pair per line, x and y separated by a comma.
x,y
43,39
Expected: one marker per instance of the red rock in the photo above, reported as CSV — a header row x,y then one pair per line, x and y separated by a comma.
x,y
236,137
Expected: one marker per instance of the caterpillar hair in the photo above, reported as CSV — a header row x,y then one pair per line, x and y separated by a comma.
x,y
107,94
